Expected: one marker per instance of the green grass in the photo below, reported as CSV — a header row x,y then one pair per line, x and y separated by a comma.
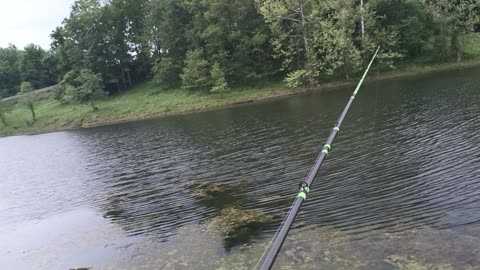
x,y
143,101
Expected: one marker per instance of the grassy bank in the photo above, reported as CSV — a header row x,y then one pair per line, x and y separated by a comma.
x,y
146,101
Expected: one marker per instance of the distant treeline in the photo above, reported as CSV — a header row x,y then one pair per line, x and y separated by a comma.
x,y
212,45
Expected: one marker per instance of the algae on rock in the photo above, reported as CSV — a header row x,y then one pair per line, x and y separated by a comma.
x,y
217,195
232,220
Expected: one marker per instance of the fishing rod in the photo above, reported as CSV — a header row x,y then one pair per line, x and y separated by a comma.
x,y
305,186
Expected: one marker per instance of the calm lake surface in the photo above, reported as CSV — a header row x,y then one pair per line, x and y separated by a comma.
x,y
401,187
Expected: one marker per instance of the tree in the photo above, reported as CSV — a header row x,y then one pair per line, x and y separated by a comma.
x,y
34,67
68,55
107,37
337,49
28,97
83,86
167,72
213,44
134,13
455,20
168,25
289,23
196,74
9,73
88,39
409,20
234,34
92,87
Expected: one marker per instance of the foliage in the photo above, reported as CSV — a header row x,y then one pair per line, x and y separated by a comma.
x,y
32,64
167,73
9,73
232,33
33,67
283,19
217,44
336,52
454,19
58,92
138,103
4,109
296,78
218,79
196,74
28,97
128,41
135,103
83,86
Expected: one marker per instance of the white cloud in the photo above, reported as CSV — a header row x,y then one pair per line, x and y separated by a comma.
x,y
31,21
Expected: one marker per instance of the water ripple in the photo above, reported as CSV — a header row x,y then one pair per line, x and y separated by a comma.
x,y
406,157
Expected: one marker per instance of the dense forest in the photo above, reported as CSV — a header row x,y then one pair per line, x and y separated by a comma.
x,y
213,45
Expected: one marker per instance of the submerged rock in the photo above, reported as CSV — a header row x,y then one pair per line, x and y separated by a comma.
x,y
232,221
299,254
203,189
199,246
217,195
411,263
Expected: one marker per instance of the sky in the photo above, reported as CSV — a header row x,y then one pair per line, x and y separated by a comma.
x,y
31,21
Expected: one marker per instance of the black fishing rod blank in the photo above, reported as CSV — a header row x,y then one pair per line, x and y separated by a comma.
x,y
305,186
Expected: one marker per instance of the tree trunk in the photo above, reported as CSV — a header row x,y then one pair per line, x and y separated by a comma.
x,y
3,119
457,47
124,81
32,109
345,69
93,105
129,78
362,19
308,64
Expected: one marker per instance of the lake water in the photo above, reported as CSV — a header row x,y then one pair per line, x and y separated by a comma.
x,y
401,187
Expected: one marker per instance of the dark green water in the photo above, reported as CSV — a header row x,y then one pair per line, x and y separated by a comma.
x,y
401,187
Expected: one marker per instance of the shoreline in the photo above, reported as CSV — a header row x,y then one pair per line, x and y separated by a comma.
x,y
262,97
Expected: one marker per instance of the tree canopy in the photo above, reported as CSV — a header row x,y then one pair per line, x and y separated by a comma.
x,y
212,44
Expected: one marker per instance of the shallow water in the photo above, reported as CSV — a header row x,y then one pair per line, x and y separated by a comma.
x,y
400,190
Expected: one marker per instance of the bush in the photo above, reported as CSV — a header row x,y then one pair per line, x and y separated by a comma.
x,y
297,78
83,86
218,79
58,92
